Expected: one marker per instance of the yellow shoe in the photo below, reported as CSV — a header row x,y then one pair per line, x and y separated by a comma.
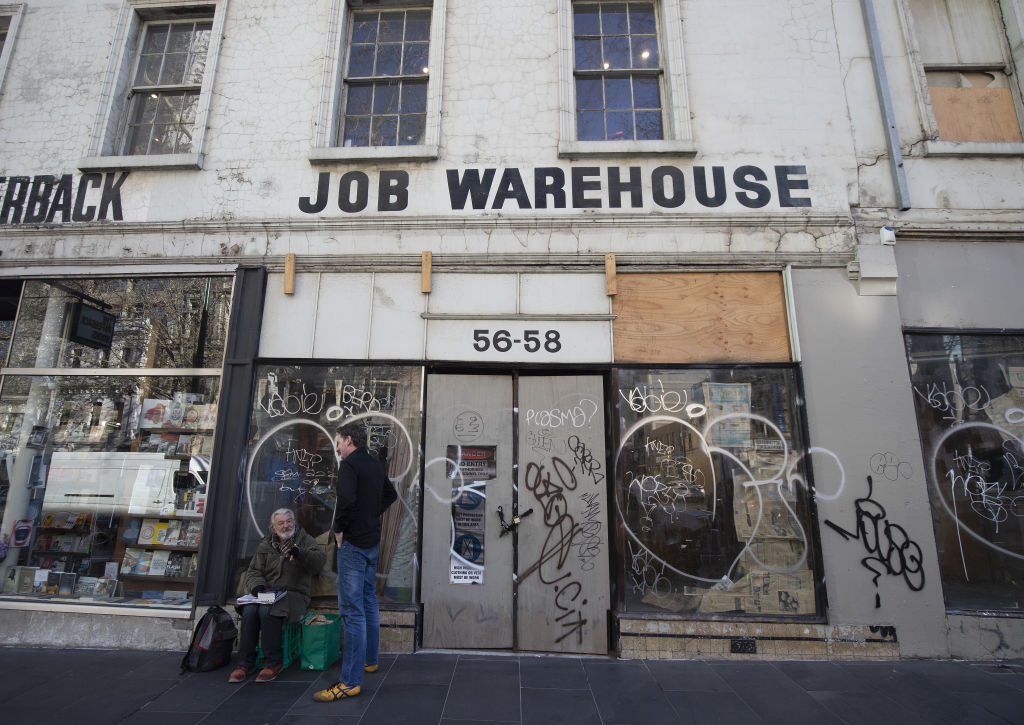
x,y
370,668
337,691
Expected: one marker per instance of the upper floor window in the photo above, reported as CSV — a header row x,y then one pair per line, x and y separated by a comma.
x,y
165,92
386,80
5,24
622,79
10,18
618,72
155,104
382,90
965,72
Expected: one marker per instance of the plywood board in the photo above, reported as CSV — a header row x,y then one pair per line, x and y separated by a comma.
x,y
563,594
975,114
701,318
472,411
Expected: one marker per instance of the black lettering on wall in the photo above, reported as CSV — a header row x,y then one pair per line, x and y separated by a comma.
x,y
39,199
678,183
581,184
393,191
700,186
511,187
111,196
14,199
787,185
306,203
61,200
81,212
746,178
469,185
362,187
549,181
616,188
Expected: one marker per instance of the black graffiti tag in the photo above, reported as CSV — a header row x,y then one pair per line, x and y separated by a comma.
x,y
890,549
584,458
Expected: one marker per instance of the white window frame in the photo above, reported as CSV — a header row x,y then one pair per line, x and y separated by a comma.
x,y
14,12
107,138
678,139
325,149
933,145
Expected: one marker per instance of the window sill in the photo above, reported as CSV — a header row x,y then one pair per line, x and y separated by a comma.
x,y
972,148
572,149
330,154
133,163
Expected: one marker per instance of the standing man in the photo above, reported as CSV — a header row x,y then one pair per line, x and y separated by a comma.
x,y
364,494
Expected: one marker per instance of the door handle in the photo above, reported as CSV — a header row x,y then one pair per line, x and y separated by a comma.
x,y
507,526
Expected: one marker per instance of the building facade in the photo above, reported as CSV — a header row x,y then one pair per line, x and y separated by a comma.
x,y
682,328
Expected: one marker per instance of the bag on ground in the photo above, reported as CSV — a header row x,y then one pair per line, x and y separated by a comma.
x,y
212,641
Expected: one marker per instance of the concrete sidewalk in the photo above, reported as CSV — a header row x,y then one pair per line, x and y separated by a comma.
x,y
70,687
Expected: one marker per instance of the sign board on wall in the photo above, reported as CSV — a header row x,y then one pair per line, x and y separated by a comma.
x,y
520,341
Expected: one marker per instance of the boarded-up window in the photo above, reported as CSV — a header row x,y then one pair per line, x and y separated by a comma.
x,y
964,57
701,318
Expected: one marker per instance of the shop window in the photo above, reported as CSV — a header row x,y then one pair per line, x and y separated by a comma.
x,y
388,99
969,394
712,493
106,468
292,462
966,70
622,79
157,97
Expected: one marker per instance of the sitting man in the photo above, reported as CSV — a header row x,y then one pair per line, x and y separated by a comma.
x,y
285,561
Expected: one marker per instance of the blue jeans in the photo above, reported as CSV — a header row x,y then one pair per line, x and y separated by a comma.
x,y
357,600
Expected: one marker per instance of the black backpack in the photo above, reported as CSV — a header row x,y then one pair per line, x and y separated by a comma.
x,y
211,643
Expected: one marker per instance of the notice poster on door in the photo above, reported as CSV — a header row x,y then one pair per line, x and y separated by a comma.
x,y
469,468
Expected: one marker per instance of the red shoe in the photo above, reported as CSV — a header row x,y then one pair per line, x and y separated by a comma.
x,y
240,673
269,673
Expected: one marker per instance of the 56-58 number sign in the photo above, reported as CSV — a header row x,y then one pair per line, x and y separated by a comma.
x,y
529,340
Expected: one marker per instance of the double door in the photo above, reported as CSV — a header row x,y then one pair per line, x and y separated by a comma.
x,y
515,514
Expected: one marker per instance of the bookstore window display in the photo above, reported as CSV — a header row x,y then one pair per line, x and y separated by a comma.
x,y
712,493
107,470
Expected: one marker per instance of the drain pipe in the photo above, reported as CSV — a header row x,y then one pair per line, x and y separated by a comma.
x,y
892,138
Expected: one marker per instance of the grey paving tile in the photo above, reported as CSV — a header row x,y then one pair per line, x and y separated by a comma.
x,y
291,719
559,707
953,676
821,676
626,692
687,676
486,690
407,704
348,707
560,673
259,702
856,708
422,669
163,718
702,708
200,692
1007,705
771,694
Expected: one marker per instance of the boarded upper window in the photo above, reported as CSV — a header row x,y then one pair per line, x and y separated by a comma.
x,y
963,51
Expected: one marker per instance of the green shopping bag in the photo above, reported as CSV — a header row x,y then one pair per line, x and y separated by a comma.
x,y
320,648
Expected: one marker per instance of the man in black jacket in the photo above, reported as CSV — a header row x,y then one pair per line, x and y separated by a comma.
x,y
364,494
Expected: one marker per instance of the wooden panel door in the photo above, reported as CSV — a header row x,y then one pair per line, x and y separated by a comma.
x,y
563,588
467,565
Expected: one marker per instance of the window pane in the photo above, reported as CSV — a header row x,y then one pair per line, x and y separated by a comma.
x,y
590,126
357,131
364,28
616,52
360,63
588,54
138,142
586,20
645,93
620,125
613,19
648,125
410,129
180,38
201,38
173,72
360,99
416,58
189,104
414,98
417,25
966,388
168,108
145,108
589,93
385,98
641,18
149,70
384,130
389,59
392,27
618,93
295,465
156,39
692,492
645,51
183,139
